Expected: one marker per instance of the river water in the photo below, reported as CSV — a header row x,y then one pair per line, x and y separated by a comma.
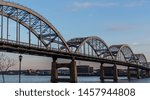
x,y
81,79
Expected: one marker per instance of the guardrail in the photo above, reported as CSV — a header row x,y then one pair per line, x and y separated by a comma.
x,y
30,45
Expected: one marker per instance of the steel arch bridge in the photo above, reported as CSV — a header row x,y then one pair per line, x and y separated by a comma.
x,y
27,32
123,52
90,46
141,59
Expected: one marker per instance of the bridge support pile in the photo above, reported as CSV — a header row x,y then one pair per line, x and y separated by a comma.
x,y
72,67
148,73
128,73
138,73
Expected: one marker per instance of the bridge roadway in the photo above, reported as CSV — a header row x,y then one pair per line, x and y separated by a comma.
x,y
24,48
11,46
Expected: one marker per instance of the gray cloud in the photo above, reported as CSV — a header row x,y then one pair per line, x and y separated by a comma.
x,y
120,28
136,44
138,3
86,5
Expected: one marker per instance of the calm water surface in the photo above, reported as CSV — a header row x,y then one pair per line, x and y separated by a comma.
x,y
81,79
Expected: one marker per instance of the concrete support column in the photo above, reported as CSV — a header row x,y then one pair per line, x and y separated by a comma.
x,y
138,73
142,76
54,73
147,73
128,73
115,73
73,71
102,72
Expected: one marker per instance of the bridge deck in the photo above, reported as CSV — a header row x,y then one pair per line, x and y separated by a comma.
x,y
25,49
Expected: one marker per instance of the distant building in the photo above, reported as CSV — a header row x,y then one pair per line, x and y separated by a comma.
x,y
63,71
84,70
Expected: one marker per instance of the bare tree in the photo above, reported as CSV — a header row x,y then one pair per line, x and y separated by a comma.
x,y
5,63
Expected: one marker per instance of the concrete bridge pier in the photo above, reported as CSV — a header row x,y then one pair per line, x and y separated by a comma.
x,y
54,73
138,73
128,73
103,68
115,73
142,73
147,73
73,71
72,67
102,72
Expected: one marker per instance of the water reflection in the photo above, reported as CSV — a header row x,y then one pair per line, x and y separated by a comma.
x,y
81,79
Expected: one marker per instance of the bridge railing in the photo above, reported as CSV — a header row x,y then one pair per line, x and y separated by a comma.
x,y
20,43
29,45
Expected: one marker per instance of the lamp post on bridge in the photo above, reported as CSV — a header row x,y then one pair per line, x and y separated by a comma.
x,y
20,59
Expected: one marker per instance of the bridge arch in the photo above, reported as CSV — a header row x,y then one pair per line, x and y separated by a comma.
x,y
123,53
141,59
44,31
92,46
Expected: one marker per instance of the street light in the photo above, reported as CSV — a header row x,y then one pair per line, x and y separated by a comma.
x,y
20,59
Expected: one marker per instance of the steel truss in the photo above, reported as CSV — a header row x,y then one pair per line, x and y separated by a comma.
x,y
91,46
46,33
141,59
123,53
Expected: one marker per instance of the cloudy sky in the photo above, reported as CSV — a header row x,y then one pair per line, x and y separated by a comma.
x,y
115,21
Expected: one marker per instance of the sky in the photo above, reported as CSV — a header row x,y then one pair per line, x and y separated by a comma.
x,y
114,21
